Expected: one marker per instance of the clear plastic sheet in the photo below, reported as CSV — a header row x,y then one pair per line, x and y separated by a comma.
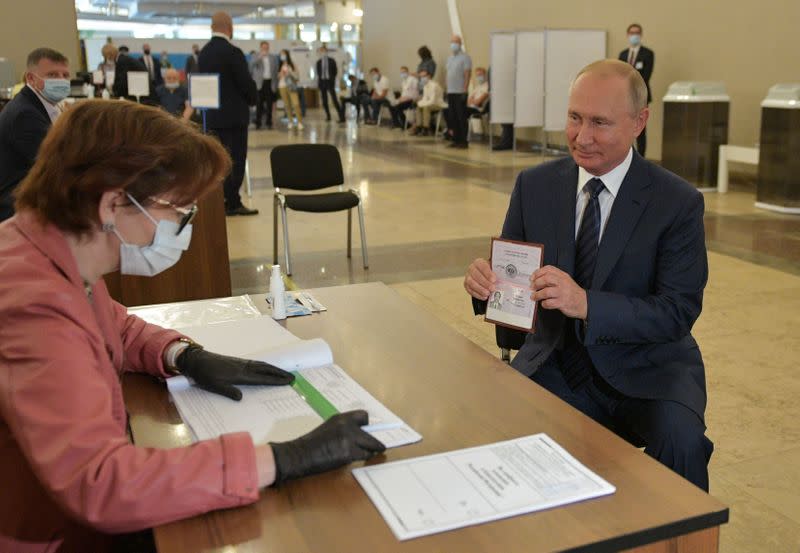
x,y
200,312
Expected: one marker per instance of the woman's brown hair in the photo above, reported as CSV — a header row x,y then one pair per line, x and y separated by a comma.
x,y
100,145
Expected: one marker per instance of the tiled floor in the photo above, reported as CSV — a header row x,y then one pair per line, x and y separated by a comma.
x,y
430,210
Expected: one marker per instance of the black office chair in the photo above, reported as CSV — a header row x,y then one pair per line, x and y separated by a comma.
x,y
508,339
309,167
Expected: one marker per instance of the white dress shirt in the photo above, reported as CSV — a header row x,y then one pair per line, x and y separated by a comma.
x,y
612,181
410,88
633,51
381,85
432,94
148,63
222,35
267,64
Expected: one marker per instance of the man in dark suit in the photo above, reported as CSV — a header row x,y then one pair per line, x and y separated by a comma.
x,y
191,61
623,277
642,59
24,122
326,82
153,66
125,63
237,93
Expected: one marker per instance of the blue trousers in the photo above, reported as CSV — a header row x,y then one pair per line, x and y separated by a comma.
x,y
672,433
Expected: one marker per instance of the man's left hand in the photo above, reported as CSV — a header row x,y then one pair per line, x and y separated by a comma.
x,y
555,289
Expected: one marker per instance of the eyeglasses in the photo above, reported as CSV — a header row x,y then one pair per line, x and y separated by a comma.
x,y
188,215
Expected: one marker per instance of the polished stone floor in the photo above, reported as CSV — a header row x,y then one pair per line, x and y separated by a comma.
x,y
430,210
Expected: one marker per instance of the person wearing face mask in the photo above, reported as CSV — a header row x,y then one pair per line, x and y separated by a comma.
x,y
173,96
478,99
642,59
264,70
24,122
191,61
378,97
153,66
288,78
357,94
71,479
326,82
409,92
431,102
459,69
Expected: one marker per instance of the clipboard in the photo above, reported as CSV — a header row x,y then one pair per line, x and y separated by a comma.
x,y
513,277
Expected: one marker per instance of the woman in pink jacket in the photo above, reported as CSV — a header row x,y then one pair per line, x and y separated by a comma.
x,y
114,187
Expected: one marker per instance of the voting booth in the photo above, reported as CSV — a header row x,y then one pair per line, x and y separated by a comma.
x,y
532,71
778,186
695,125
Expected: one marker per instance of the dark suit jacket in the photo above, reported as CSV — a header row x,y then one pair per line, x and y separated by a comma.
x,y
23,125
157,78
191,65
332,71
237,89
645,59
125,63
648,283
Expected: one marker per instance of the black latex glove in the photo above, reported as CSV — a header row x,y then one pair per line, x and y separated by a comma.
x,y
336,442
218,373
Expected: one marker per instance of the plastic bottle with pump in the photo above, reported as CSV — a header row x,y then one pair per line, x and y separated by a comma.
x,y
278,293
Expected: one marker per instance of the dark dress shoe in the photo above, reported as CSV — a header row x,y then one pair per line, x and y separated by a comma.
x,y
501,147
241,210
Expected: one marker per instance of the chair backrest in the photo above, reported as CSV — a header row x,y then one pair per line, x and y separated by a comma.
x,y
306,166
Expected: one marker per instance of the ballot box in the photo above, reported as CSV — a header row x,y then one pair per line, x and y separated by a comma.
x,y
695,125
778,186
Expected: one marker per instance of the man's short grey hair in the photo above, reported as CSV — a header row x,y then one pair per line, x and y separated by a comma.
x,y
637,90
45,54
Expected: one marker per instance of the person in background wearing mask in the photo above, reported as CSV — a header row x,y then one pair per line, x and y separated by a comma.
x,y
459,69
173,96
426,63
153,66
478,99
71,478
432,101
326,81
357,94
264,70
380,90
124,64
642,59
109,63
24,122
409,92
237,93
191,61
164,60
287,86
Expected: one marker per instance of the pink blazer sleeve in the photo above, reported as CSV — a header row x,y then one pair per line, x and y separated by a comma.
x,y
57,400
143,343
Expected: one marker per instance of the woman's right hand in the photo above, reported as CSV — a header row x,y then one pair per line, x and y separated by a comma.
x,y
336,442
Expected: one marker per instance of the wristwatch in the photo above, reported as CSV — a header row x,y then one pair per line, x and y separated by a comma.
x,y
174,351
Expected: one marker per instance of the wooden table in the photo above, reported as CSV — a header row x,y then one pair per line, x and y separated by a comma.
x,y
456,395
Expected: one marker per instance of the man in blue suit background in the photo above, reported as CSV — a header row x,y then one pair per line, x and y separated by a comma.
x,y
622,284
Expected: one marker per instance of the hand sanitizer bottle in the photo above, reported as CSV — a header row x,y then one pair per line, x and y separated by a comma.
x,y
278,292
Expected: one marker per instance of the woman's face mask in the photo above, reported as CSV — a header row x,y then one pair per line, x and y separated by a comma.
x,y
162,253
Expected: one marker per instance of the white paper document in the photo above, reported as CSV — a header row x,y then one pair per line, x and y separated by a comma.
x,y
204,91
432,494
138,83
513,263
278,413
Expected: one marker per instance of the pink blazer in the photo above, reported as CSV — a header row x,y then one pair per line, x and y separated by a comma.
x,y
68,474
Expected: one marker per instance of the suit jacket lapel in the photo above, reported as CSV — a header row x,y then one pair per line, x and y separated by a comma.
x,y
566,193
35,101
633,197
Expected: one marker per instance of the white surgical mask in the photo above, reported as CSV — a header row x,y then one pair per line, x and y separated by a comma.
x,y
162,253
283,57
54,90
635,40
423,80
172,85
481,79
455,47
403,76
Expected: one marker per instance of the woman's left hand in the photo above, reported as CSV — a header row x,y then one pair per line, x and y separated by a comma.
x,y
218,373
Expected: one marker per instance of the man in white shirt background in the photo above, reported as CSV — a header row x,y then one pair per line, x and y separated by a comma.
x,y
431,102
409,92
479,95
379,96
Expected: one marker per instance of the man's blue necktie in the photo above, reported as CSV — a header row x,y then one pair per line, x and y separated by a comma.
x,y
576,364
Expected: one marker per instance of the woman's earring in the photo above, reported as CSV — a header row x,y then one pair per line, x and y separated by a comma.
x,y
108,227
